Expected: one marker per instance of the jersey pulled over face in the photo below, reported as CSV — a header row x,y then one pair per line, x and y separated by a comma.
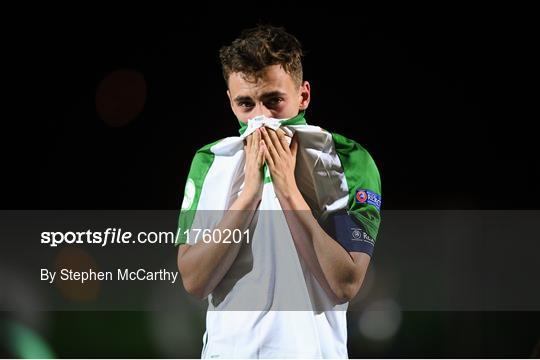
x,y
275,94
269,304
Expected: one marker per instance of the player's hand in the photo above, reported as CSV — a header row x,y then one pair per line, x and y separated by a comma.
x,y
281,160
253,183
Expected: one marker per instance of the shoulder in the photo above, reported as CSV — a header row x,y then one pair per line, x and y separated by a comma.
x,y
204,153
207,149
201,163
356,160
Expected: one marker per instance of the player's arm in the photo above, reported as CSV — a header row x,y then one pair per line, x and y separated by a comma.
x,y
204,264
338,271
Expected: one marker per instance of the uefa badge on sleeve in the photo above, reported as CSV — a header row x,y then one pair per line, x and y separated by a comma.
x,y
364,196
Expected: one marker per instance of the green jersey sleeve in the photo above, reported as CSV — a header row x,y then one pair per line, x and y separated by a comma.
x,y
357,227
200,165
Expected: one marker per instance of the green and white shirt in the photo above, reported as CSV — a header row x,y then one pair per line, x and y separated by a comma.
x,y
267,304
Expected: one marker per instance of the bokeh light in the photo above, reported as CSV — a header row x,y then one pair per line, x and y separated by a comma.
x,y
178,327
120,97
77,259
23,342
381,320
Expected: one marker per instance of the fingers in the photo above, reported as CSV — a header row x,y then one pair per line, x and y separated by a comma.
x,y
277,142
283,141
260,155
267,156
271,149
294,146
254,143
257,140
255,149
251,144
249,141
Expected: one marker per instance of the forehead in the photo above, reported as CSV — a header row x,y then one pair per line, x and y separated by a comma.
x,y
274,78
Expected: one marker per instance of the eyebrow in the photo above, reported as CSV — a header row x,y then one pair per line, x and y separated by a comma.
x,y
267,95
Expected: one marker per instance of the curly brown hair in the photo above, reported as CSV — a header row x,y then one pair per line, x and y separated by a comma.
x,y
259,47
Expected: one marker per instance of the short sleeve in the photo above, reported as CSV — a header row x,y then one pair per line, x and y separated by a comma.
x,y
357,225
200,165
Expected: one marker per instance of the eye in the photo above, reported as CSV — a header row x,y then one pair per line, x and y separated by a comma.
x,y
274,101
245,104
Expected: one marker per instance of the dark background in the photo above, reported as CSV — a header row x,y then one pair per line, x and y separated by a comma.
x,y
443,99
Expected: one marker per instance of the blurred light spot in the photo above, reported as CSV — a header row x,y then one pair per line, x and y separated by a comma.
x,y
22,297
178,326
120,97
380,320
24,343
76,259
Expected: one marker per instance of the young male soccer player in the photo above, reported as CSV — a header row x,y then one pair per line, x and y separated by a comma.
x,y
285,293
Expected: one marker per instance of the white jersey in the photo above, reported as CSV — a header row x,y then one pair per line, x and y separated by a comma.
x,y
269,304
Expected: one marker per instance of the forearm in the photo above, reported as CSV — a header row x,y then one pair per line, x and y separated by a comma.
x,y
204,264
330,263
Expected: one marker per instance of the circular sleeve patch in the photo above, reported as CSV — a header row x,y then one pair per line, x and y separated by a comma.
x,y
189,194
